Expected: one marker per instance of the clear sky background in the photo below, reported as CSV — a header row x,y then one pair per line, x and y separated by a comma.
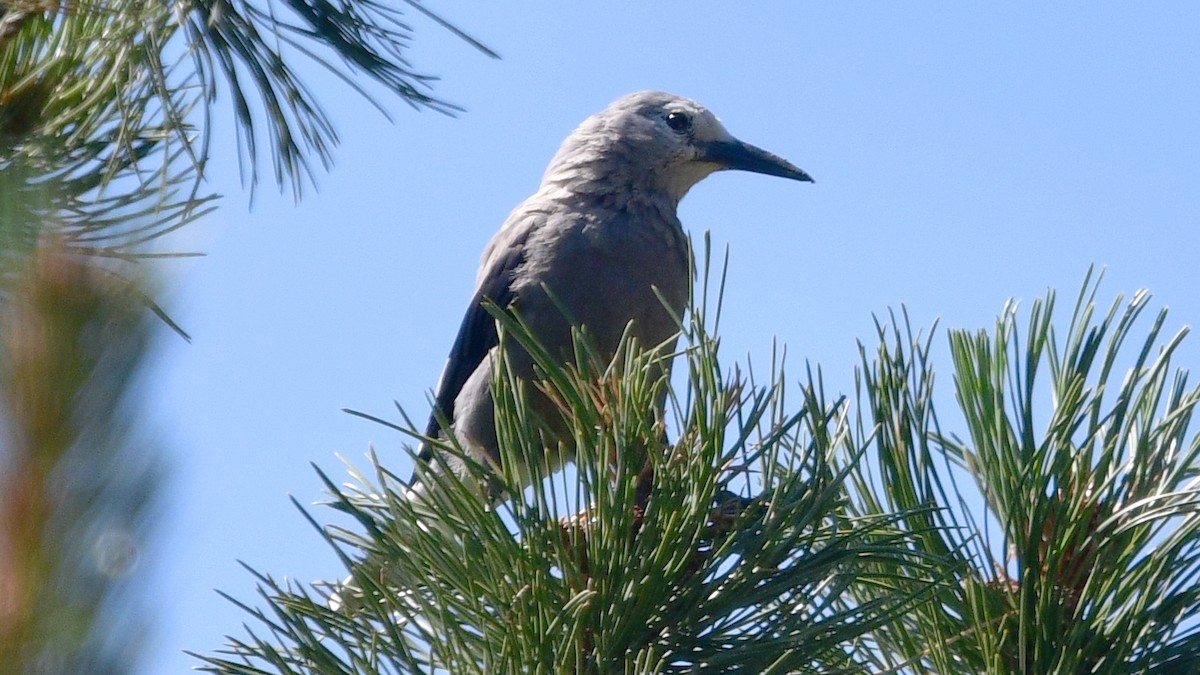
x,y
962,156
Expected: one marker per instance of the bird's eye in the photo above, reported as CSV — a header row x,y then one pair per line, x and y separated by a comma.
x,y
679,122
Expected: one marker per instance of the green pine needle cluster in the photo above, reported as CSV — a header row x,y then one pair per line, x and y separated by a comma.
x,y
106,108
1057,533
1079,551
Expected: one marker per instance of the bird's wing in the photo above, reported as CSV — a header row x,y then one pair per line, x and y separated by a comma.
x,y
478,335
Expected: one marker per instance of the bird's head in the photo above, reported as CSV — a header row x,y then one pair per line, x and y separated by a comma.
x,y
654,140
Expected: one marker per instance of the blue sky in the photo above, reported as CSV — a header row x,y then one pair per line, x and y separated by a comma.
x,y
962,156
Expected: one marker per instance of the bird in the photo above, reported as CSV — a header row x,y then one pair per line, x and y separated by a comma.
x,y
599,247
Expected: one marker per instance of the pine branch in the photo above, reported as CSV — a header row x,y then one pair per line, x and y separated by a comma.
x,y
603,569
106,109
251,50
1087,556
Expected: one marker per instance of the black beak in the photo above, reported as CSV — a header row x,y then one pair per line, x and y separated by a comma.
x,y
736,155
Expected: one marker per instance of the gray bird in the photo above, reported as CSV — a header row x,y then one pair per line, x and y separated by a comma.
x,y
599,245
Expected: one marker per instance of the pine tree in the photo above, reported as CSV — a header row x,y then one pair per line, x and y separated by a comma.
x,y
1067,511
823,538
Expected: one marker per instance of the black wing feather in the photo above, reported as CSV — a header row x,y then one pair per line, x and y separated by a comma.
x,y
476,337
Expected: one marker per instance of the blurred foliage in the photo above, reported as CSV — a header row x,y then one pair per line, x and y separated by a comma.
x,y
77,481
106,113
